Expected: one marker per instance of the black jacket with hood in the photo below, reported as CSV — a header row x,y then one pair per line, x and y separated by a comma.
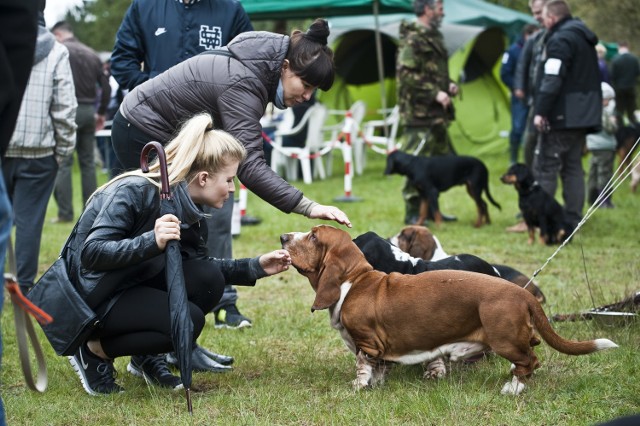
x,y
569,95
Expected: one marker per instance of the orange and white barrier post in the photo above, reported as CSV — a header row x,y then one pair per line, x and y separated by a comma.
x,y
243,201
347,155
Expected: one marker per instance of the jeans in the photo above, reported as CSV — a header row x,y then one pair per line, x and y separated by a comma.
x,y
519,113
29,183
85,147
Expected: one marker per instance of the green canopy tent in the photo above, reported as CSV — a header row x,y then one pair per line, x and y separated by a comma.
x,y
365,49
482,109
278,9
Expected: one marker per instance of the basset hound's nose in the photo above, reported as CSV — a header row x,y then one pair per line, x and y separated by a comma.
x,y
284,238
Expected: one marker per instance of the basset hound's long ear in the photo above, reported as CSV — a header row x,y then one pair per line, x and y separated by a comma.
x,y
335,265
421,244
328,287
415,248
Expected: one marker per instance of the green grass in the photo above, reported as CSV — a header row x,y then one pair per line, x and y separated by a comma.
x,y
292,368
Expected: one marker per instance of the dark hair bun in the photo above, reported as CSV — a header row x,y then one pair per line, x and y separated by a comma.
x,y
318,32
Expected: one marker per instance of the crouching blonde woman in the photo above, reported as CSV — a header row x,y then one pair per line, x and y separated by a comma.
x,y
116,258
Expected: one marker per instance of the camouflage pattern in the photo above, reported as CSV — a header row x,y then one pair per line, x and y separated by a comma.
x,y
422,70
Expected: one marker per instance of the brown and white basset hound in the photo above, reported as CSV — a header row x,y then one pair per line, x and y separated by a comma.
x,y
419,241
412,319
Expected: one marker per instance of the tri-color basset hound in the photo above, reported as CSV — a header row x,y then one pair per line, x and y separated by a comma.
x,y
412,319
419,242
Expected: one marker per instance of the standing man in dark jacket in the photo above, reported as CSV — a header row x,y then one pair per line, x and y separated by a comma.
x,y
86,68
158,34
524,83
625,70
525,80
568,105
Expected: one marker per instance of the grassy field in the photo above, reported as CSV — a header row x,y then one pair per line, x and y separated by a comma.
x,y
292,368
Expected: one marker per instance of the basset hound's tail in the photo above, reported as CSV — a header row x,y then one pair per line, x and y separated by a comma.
x,y
559,343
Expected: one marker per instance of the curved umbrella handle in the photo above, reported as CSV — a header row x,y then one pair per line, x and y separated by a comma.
x,y
162,158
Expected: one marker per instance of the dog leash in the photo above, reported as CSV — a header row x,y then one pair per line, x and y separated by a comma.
x,y
24,327
614,183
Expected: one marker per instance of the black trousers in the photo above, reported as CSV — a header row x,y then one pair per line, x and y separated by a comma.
x,y
138,322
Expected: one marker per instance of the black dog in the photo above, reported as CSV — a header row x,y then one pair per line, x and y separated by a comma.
x,y
386,257
432,175
539,209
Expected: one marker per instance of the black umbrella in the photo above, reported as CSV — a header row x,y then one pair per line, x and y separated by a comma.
x,y
181,324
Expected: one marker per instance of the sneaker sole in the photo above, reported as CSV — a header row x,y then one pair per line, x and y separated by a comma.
x,y
83,378
243,324
138,373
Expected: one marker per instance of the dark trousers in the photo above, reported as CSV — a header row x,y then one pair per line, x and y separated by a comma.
x,y
138,322
86,151
29,184
626,105
559,154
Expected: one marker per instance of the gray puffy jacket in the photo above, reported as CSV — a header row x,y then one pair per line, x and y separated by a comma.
x,y
235,91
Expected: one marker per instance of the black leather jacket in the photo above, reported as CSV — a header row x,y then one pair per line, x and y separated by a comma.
x,y
114,239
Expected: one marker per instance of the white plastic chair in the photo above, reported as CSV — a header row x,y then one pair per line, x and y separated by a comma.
x,y
358,111
374,130
287,157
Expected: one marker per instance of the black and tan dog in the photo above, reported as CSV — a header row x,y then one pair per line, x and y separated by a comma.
x,y
433,175
412,319
418,241
539,209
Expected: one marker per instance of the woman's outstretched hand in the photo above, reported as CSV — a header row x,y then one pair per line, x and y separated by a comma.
x,y
330,213
275,261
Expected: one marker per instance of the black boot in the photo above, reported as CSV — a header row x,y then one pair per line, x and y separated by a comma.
x,y
412,211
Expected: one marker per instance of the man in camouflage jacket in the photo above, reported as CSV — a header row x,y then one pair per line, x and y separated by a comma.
x,y
424,90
